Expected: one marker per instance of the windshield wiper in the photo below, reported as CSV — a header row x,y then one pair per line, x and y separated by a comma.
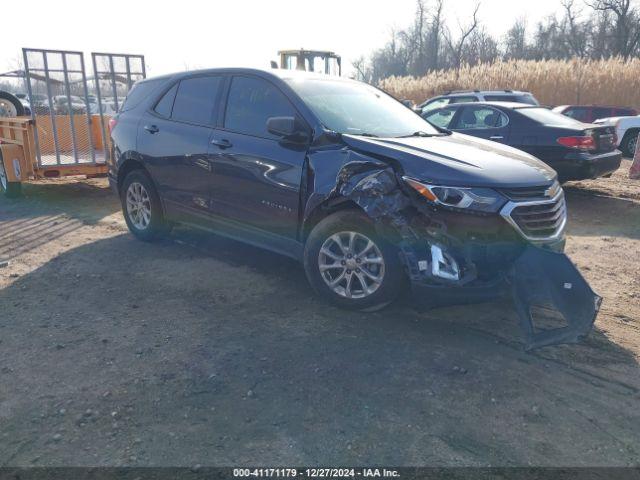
x,y
365,134
419,133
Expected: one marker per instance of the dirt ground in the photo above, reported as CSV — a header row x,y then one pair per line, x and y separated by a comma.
x,y
201,350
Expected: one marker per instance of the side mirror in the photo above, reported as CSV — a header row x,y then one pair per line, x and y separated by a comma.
x,y
286,127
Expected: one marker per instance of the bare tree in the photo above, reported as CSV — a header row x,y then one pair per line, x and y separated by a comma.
x,y
456,47
363,73
574,37
627,24
435,34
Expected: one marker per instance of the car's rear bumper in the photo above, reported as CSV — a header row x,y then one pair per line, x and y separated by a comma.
x,y
583,165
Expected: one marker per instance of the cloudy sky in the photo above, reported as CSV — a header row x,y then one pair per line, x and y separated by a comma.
x,y
186,34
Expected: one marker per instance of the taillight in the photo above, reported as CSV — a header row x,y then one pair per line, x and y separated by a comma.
x,y
112,124
582,143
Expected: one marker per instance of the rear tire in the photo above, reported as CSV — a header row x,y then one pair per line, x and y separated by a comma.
x,y
335,245
142,208
7,188
629,143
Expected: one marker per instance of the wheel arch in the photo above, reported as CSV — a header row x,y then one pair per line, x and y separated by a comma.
x,y
325,209
127,167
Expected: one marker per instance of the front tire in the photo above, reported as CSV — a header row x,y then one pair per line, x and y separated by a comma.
x,y
142,208
348,263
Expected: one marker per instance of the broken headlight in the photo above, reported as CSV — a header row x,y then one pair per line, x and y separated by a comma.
x,y
472,198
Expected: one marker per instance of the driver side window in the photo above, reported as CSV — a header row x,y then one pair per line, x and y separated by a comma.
x,y
251,102
476,117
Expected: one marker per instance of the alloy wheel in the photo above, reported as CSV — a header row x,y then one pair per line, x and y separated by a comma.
x,y
138,206
351,264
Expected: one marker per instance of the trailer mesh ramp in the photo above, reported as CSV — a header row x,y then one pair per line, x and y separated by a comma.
x,y
65,113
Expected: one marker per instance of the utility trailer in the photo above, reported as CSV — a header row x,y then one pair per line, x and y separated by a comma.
x,y
67,132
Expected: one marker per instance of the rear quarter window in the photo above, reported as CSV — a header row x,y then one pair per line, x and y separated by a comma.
x,y
139,92
579,113
547,117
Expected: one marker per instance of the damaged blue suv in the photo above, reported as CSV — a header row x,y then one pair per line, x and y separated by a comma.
x,y
371,198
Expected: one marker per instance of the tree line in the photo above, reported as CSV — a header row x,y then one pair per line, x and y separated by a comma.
x,y
589,29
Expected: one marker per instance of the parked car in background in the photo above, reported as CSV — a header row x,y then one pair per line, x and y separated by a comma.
x,y
627,131
591,113
574,149
294,162
465,96
61,105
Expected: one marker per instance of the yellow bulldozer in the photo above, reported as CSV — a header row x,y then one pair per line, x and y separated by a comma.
x,y
319,61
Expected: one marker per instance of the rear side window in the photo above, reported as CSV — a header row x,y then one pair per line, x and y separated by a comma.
x,y
579,113
165,105
600,112
251,102
195,100
139,92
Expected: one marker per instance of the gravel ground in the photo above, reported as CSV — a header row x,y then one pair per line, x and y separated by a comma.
x,y
201,350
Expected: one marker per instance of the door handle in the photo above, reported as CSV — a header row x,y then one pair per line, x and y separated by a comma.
x,y
151,129
496,137
223,143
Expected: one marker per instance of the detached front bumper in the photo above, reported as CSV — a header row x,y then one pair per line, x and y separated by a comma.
x,y
583,165
554,302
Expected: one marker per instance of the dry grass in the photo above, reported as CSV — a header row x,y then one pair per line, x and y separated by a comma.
x,y
553,82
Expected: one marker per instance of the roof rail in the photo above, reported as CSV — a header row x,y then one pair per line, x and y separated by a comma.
x,y
460,91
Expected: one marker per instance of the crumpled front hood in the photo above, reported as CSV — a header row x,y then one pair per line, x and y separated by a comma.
x,y
459,160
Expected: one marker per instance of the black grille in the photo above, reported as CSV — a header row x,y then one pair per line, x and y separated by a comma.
x,y
541,220
543,192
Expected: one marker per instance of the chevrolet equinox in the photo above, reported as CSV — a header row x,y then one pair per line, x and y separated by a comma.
x,y
370,197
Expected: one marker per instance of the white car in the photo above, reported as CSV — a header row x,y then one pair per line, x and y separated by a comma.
x,y
627,130
464,96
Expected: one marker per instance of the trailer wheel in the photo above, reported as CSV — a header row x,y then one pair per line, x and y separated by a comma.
x,y
10,105
7,188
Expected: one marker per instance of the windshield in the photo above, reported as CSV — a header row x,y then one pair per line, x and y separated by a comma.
x,y
547,117
358,109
